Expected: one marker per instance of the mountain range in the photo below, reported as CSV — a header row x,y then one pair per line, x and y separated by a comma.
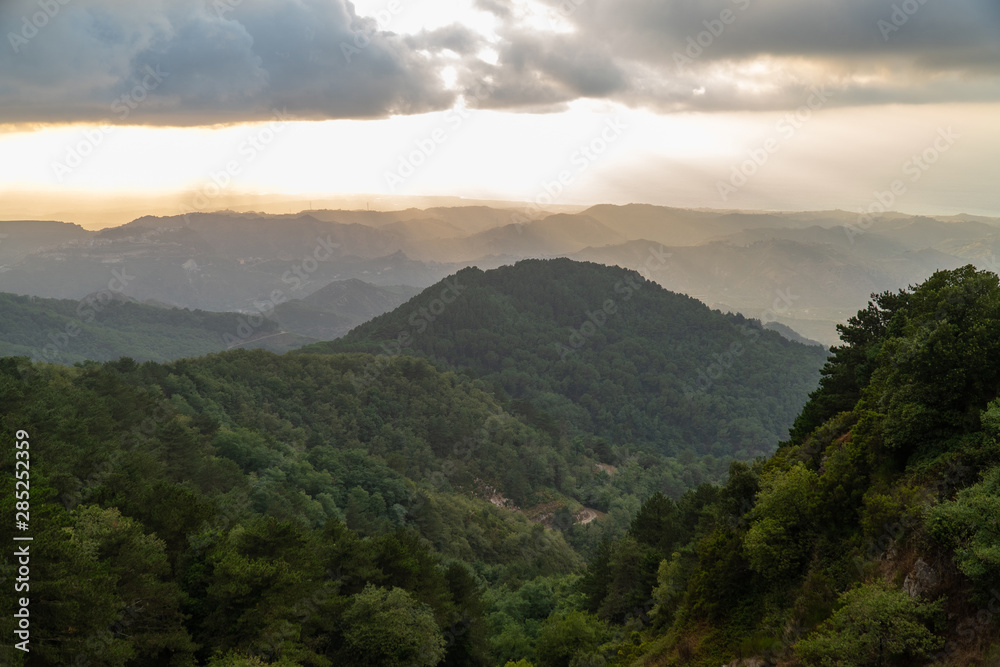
x,y
607,352
806,270
551,463
107,325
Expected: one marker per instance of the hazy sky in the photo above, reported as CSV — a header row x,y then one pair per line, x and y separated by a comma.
x,y
716,103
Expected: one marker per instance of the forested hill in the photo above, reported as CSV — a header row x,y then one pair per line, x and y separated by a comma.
x,y
107,325
247,509
872,537
605,351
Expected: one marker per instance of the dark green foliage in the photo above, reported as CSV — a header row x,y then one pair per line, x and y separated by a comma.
x,y
876,626
970,525
565,637
851,365
195,513
606,352
249,509
389,627
898,445
106,326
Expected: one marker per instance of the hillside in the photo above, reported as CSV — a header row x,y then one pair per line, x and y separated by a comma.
x,y
246,508
201,502
334,310
823,273
107,326
214,261
20,238
731,260
870,538
606,352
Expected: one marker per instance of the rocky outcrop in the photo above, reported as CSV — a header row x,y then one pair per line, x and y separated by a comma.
x,y
921,579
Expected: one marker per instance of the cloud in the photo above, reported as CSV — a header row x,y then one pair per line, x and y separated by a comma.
x,y
227,61
222,61
536,70
759,54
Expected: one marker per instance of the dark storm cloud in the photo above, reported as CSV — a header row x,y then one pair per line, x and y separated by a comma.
x,y
187,62
215,61
848,29
547,70
696,54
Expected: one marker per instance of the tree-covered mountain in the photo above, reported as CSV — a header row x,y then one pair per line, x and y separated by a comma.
x,y
334,310
106,326
291,509
732,260
604,351
870,538
249,507
313,509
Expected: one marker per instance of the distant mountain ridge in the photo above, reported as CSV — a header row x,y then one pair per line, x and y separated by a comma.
x,y
107,325
339,307
732,260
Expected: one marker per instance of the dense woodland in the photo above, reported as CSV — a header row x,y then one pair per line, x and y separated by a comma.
x,y
608,353
870,538
106,326
247,508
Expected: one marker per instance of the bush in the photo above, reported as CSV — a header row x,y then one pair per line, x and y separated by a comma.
x,y
970,525
876,625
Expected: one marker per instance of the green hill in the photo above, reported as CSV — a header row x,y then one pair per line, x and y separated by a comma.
x,y
246,508
870,538
106,326
606,352
207,507
334,310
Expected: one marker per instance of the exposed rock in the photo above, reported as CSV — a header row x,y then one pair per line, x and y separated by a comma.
x,y
922,579
587,514
748,662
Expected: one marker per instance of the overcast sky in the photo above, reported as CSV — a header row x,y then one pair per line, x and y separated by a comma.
x,y
721,103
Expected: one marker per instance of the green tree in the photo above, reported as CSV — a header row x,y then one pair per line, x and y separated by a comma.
x,y
151,619
876,626
565,637
778,539
388,628
970,524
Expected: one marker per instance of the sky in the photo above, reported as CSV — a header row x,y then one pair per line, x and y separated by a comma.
x,y
744,104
